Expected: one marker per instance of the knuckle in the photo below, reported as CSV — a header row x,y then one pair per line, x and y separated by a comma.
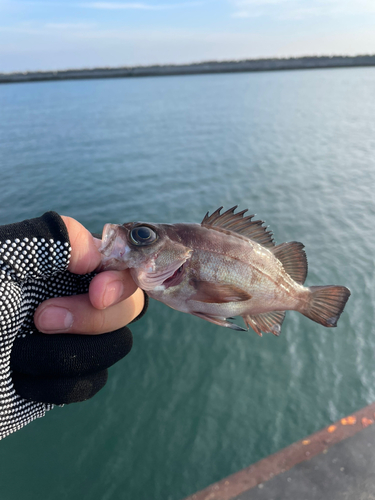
x,y
100,322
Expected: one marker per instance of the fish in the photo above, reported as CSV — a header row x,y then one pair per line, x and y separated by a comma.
x,y
227,266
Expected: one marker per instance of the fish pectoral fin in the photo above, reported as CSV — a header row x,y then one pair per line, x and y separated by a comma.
x,y
217,293
216,320
293,258
269,322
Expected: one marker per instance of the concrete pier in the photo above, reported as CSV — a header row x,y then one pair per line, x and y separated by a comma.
x,y
193,69
335,463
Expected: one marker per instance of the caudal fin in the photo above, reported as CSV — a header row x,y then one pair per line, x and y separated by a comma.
x,y
326,304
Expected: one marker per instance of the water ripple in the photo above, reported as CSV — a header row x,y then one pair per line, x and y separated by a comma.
x,y
193,402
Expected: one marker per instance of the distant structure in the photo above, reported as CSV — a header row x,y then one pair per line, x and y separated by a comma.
x,y
194,69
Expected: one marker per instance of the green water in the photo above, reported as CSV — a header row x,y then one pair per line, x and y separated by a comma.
x,y
194,402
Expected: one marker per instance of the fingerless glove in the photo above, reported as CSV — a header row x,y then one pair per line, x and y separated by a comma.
x,y
38,371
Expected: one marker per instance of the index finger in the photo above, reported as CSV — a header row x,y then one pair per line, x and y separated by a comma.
x,y
85,256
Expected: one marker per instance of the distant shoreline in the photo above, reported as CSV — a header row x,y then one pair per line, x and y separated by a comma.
x,y
249,65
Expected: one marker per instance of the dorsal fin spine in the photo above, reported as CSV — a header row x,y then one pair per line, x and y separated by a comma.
x,y
237,223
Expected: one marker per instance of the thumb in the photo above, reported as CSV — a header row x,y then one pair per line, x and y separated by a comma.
x,y
85,256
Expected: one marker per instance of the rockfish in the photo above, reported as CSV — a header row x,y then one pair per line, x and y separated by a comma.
x,y
226,266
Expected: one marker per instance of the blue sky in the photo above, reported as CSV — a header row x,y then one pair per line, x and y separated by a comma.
x,y
46,34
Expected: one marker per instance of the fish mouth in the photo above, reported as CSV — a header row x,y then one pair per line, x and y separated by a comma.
x,y
175,279
108,238
114,248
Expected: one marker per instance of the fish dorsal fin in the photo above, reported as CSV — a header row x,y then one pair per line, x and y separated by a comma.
x,y
239,224
269,322
293,258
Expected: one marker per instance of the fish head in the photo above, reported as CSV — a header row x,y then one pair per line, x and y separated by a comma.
x,y
153,252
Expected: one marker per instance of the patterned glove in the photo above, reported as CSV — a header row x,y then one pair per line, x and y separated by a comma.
x,y
37,370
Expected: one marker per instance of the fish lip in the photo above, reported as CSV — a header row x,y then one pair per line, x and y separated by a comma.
x,y
113,249
175,279
109,230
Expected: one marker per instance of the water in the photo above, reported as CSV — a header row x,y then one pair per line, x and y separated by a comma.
x,y
194,402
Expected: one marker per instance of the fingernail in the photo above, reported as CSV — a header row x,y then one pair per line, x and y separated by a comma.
x,y
112,293
55,319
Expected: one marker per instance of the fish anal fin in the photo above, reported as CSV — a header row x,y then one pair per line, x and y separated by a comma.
x,y
239,224
217,293
250,321
269,322
219,321
293,258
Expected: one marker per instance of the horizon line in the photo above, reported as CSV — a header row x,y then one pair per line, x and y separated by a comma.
x,y
203,67
187,64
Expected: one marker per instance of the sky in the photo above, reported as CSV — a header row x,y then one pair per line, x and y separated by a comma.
x,y
52,35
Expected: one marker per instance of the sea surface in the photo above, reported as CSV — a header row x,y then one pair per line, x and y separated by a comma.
x,y
194,402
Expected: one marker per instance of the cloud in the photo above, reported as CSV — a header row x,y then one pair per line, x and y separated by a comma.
x,y
244,3
16,4
45,47
47,29
136,5
246,14
298,9
69,26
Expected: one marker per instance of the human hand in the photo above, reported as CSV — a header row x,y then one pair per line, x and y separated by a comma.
x,y
63,368
113,299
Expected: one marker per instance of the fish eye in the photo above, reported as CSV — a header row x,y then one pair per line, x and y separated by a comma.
x,y
142,235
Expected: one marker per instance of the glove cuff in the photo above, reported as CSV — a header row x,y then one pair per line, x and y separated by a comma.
x,y
60,391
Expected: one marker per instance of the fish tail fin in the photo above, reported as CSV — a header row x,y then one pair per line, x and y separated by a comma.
x,y
326,304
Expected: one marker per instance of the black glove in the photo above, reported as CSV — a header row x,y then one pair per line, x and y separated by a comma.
x,y
62,369
38,370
